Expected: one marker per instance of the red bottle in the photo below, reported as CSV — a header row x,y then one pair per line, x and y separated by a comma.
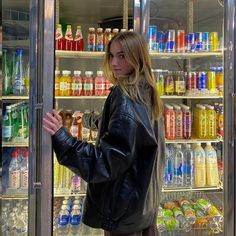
x,y
77,85
108,84
78,40
88,83
60,40
69,38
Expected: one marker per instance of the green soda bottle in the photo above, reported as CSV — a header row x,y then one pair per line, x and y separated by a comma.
x,y
7,126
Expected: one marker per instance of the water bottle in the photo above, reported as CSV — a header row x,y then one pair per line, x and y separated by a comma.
x,y
14,172
188,166
24,171
63,221
19,76
4,220
178,167
168,175
75,220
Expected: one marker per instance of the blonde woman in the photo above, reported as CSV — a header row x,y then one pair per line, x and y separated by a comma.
x,y
124,169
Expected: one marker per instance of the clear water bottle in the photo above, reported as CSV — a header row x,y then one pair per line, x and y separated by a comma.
x,y
178,167
75,219
188,166
19,76
63,221
24,171
168,175
14,172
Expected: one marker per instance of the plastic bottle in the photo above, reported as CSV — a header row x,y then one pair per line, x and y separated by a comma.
x,y
77,84
199,166
63,221
159,77
7,125
221,121
200,122
188,174
169,121
57,83
60,40
169,167
99,83
24,171
99,40
6,77
115,31
183,223
180,86
212,175
211,122
88,83
91,39
187,122
75,220
169,84
69,38
178,167
19,76
78,40
64,83
4,220
14,172
107,85
107,36
76,184
27,79
22,133
178,122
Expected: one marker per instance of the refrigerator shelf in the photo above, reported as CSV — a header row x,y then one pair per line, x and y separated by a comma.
x,y
197,96
217,140
16,144
15,194
82,194
79,97
12,97
79,54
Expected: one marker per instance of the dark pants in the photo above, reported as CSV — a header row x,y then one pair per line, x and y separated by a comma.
x,y
150,231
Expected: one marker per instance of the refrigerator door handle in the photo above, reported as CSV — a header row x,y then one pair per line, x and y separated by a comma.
x,y
37,185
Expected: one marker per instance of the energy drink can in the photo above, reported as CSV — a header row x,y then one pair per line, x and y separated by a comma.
x,y
160,41
206,41
214,41
198,41
190,42
170,41
180,41
152,37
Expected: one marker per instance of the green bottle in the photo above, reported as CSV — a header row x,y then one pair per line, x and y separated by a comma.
x,y
7,126
7,84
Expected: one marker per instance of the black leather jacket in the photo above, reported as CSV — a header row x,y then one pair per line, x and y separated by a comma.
x,y
123,170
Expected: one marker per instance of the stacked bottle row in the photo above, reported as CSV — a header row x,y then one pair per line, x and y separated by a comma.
x,y
15,73
15,123
190,83
205,122
180,41
67,218
185,214
77,85
15,218
194,166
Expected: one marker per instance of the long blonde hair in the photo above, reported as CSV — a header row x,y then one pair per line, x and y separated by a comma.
x,y
136,54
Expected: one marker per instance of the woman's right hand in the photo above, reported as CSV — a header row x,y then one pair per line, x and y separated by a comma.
x,y
52,122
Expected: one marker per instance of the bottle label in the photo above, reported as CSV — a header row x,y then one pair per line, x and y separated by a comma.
x,y
88,86
99,86
77,86
179,86
7,131
24,179
14,179
63,86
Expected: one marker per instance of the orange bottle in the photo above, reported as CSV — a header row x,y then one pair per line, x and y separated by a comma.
x,y
57,83
169,122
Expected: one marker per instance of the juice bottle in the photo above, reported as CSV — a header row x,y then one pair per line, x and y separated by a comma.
x,y
88,83
107,84
63,82
77,84
200,122
100,40
212,174
169,122
221,121
115,31
169,84
78,41
199,166
220,80
91,39
159,77
60,40
178,122
99,84
216,108
69,38
180,86
211,122
187,122
107,36
56,173
211,81
57,83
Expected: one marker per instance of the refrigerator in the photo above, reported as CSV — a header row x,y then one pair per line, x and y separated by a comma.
x,y
191,44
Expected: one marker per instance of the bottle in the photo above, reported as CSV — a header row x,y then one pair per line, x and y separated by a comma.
x,y
67,121
69,38
221,121
115,31
57,83
21,225
99,40
22,133
65,83
76,184
88,83
56,173
180,86
85,133
77,84
19,88
99,82
79,40
27,79
6,77
14,172
91,39
7,125
188,177
169,84
74,129
75,220
187,122
107,36
60,40
4,220
211,122
63,221
183,223
199,166
159,76
200,122
189,212
24,171
178,167
12,68
169,122
169,168
178,122
220,80
212,174
107,85
211,81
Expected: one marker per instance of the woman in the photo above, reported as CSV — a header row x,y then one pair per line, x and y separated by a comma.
x,y
124,169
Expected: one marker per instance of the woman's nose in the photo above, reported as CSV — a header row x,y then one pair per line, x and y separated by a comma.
x,y
114,61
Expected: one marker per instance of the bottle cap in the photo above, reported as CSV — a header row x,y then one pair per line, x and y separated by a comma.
x,y
99,73
77,72
66,72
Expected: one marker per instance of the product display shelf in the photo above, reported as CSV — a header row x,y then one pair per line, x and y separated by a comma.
x,y
18,194
12,97
79,54
81,194
217,140
197,96
79,97
15,144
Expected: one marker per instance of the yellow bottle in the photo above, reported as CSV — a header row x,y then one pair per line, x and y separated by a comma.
x,y
56,173
27,79
199,166
202,122
63,83
212,174
57,83
211,122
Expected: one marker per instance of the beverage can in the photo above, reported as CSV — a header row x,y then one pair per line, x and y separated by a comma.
x,y
206,46
211,81
198,41
160,41
214,41
161,224
152,37
170,41
190,42
203,204
202,81
180,41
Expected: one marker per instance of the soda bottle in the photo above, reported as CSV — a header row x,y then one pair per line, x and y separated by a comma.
x,y
77,84
24,170
211,122
107,85
11,224
91,39
88,83
180,86
60,40
178,167
199,166
115,31
188,166
21,225
99,40
68,38
212,175
27,79
78,41
19,88
7,125
220,80
57,83
178,122
107,36
6,77
169,122
14,172
75,219
187,122
76,184
169,84
99,82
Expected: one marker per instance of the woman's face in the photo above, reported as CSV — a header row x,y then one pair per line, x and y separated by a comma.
x,y
119,66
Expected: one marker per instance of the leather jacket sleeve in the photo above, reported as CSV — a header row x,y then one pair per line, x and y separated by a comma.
x,y
108,160
91,120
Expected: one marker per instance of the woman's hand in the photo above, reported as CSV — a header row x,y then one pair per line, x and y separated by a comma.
x,y
52,122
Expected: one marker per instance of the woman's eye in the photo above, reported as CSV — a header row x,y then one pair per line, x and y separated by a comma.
x,y
110,56
122,56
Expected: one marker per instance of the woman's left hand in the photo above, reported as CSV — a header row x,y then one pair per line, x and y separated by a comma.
x,y
52,122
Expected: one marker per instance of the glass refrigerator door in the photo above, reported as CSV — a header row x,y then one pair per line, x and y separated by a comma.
x,y
186,43
81,37
15,117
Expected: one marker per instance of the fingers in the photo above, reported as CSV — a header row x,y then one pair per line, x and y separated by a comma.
x,y
52,122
